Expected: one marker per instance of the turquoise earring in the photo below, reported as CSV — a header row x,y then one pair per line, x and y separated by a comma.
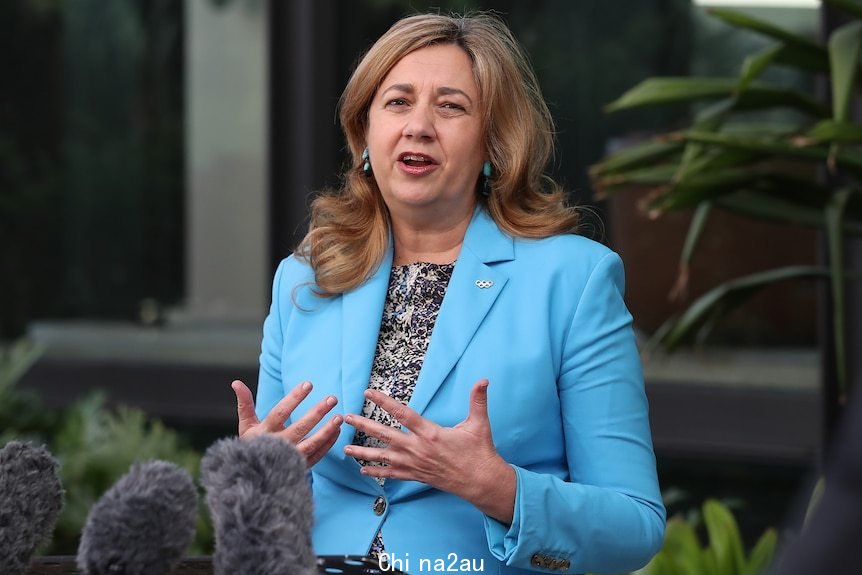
x,y
486,184
366,166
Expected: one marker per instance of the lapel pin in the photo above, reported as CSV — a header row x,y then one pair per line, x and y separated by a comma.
x,y
484,284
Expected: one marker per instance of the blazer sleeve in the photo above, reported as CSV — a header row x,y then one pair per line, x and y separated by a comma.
x,y
608,516
270,388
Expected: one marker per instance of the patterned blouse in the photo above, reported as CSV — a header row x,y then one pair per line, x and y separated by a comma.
x,y
412,303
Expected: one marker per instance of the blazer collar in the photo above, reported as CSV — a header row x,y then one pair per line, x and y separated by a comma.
x,y
486,241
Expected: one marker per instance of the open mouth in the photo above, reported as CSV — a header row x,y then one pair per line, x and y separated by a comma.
x,y
416,160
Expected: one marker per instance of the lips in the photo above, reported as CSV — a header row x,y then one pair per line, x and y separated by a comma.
x,y
415,159
416,164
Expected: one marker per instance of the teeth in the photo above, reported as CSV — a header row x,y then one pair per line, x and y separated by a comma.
x,y
415,159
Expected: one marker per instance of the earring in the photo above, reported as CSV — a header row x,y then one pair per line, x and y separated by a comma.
x,y
366,166
486,183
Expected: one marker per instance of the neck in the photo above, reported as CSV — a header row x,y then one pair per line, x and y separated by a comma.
x,y
437,244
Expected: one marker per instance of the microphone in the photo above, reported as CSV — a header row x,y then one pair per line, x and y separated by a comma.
x,y
259,498
143,524
31,498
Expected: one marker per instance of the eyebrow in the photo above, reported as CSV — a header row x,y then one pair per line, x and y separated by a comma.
x,y
441,91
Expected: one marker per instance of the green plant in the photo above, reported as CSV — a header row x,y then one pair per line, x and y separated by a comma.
x,y
724,554
96,446
15,359
802,168
21,412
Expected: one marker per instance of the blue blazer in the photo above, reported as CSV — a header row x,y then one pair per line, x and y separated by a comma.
x,y
566,404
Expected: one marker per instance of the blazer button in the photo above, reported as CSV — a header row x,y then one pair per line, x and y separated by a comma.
x,y
379,506
536,560
565,564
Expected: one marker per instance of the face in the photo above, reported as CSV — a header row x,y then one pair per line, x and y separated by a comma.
x,y
425,135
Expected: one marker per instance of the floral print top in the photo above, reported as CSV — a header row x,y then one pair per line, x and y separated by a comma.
x,y
413,300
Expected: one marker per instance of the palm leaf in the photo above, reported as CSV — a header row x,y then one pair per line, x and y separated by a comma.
x,y
724,538
741,20
769,207
636,156
696,156
835,240
650,176
761,555
695,231
729,295
709,185
682,546
713,159
844,47
848,159
653,91
754,65
692,238
832,131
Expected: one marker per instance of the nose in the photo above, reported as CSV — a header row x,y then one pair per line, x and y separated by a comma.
x,y
419,124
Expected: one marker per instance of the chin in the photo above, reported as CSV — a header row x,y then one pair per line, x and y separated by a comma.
x,y
416,198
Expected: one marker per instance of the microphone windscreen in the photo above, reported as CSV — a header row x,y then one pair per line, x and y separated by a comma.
x,y
259,498
143,524
31,498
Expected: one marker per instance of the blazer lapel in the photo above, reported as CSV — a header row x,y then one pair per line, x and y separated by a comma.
x,y
362,311
472,290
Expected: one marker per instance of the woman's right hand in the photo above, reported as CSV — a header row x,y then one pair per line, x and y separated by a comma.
x,y
314,446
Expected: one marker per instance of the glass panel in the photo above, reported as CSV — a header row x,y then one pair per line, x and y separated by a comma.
x,y
91,148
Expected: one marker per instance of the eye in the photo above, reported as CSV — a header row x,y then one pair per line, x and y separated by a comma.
x,y
396,102
452,106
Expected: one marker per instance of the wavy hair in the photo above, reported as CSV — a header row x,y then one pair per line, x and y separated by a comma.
x,y
349,229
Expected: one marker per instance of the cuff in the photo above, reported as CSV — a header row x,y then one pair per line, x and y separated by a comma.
x,y
502,538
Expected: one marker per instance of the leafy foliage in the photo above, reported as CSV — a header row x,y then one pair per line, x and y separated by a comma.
x,y
724,553
804,169
21,413
96,446
94,443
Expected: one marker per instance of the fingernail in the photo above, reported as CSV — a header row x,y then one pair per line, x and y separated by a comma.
x,y
331,400
337,420
348,450
349,419
306,386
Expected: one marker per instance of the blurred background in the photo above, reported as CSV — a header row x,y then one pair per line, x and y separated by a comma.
x,y
156,161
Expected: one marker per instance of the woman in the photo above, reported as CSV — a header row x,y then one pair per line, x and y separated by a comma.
x,y
503,427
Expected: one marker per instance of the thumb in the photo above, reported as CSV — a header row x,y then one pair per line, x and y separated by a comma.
x,y
479,403
244,406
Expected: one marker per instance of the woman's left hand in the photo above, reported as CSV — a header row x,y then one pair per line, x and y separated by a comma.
x,y
461,460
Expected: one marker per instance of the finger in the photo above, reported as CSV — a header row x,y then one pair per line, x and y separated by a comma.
x,y
316,446
408,418
384,472
478,411
244,406
274,421
297,430
369,453
375,429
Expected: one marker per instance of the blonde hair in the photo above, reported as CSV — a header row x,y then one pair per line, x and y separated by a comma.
x,y
349,230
